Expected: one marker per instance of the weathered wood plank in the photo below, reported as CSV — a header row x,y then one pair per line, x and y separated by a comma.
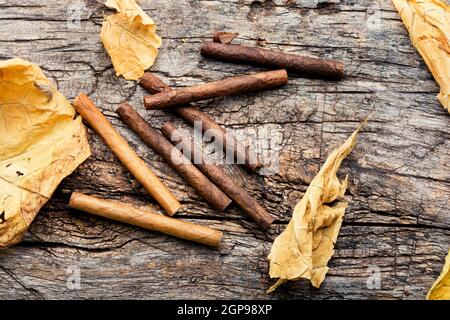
x,y
118,261
399,217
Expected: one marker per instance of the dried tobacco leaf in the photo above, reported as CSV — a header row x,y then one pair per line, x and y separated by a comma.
x,y
428,23
224,37
305,247
40,143
130,39
441,288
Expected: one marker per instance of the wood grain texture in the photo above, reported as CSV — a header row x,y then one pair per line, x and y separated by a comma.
x,y
399,191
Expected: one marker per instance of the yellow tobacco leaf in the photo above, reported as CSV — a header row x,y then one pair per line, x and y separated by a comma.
x,y
305,247
40,143
428,23
130,39
441,288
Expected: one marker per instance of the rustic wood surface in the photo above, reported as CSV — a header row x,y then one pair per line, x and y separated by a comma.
x,y
399,217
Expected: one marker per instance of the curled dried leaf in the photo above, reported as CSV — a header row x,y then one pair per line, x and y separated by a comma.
x,y
41,142
428,23
441,288
307,244
130,39
224,37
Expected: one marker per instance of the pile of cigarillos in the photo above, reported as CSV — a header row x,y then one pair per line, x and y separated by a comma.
x,y
208,179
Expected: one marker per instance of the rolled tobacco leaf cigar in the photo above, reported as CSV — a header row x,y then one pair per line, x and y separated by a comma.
x,y
242,154
155,140
305,66
146,219
137,167
222,88
239,195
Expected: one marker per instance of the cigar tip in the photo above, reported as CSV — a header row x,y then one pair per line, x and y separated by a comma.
x,y
267,222
82,95
148,99
145,102
81,100
78,97
148,76
124,105
253,167
204,47
167,129
73,197
168,125
142,78
221,207
174,210
219,245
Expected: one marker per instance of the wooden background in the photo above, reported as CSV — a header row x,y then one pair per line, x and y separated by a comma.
x,y
399,216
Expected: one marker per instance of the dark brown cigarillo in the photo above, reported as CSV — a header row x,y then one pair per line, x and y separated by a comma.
x,y
146,219
239,195
304,66
242,154
222,88
155,140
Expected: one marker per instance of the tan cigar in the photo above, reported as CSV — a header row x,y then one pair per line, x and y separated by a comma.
x,y
137,167
146,219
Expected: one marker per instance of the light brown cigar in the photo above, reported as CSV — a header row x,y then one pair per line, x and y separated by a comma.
x,y
146,219
242,154
222,88
155,140
217,175
137,167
